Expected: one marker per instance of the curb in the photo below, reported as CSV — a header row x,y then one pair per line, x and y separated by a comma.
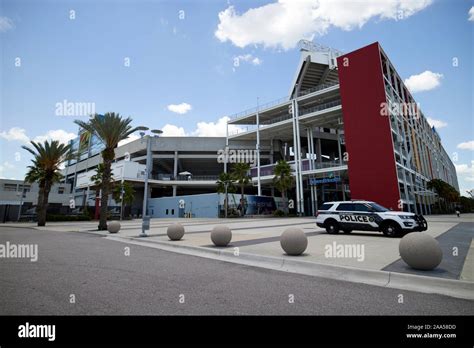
x,y
393,280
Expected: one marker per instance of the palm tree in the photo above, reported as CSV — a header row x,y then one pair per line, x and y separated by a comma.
x,y
225,185
240,174
45,171
283,179
110,129
97,180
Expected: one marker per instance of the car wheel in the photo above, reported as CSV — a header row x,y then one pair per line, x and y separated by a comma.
x,y
332,227
390,229
346,231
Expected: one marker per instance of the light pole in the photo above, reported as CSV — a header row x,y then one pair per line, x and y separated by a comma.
x,y
121,200
259,191
145,217
226,205
20,193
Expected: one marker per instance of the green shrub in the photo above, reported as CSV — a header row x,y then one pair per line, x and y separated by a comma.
x,y
56,217
279,213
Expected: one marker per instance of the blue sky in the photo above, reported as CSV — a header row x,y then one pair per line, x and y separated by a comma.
x,y
184,52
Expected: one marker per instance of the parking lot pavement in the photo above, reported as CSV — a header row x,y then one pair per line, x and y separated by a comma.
x,y
261,236
107,281
455,244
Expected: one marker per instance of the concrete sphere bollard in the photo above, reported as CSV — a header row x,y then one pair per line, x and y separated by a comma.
x,y
175,231
293,241
221,235
420,251
113,226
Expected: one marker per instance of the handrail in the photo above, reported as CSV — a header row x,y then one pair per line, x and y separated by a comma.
x,y
267,105
302,112
170,177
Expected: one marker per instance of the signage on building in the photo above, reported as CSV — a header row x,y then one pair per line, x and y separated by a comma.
x,y
315,181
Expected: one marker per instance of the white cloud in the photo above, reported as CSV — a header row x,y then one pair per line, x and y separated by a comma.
x,y
58,134
8,165
170,130
19,134
425,81
471,14
131,137
436,123
5,167
6,24
468,145
217,129
15,134
465,171
247,58
203,129
180,108
283,23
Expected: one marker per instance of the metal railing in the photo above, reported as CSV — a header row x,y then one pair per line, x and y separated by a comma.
x,y
302,112
317,88
328,164
320,107
169,177
260,108
276,120
282,100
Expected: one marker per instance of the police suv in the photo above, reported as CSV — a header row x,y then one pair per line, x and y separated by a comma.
x,y
367,216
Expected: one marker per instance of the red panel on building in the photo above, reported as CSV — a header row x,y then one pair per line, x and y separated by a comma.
x,y
371,162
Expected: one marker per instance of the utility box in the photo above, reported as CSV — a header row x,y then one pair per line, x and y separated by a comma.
x,y
146,223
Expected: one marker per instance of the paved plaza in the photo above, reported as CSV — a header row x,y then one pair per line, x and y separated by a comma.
x,y
258,239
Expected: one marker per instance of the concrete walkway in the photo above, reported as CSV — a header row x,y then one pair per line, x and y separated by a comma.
x,y
260,238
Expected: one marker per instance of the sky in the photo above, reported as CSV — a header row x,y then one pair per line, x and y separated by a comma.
x,y
185,66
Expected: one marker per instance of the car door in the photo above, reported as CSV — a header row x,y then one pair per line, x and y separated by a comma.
x,y
366,217
346,216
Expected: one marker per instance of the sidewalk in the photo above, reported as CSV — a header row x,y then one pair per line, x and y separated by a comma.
x,y
257,242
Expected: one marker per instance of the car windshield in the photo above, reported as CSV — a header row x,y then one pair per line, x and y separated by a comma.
x,y
378,207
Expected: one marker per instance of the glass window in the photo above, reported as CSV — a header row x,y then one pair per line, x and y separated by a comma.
x,y
361,207
345,207
378,207
325,206
9,187
96,145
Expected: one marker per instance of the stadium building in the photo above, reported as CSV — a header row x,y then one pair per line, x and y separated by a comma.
x,y
180,166
351,130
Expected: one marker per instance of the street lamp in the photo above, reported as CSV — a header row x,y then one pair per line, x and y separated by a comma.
x,y
20,194
145,217
121,200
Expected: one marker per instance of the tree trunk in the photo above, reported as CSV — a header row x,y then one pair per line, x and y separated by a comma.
x,y
96,205
43,207
226,203
283,196
105,191
242,205
39,204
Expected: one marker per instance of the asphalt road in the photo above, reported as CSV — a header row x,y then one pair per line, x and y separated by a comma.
x,y
105,281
